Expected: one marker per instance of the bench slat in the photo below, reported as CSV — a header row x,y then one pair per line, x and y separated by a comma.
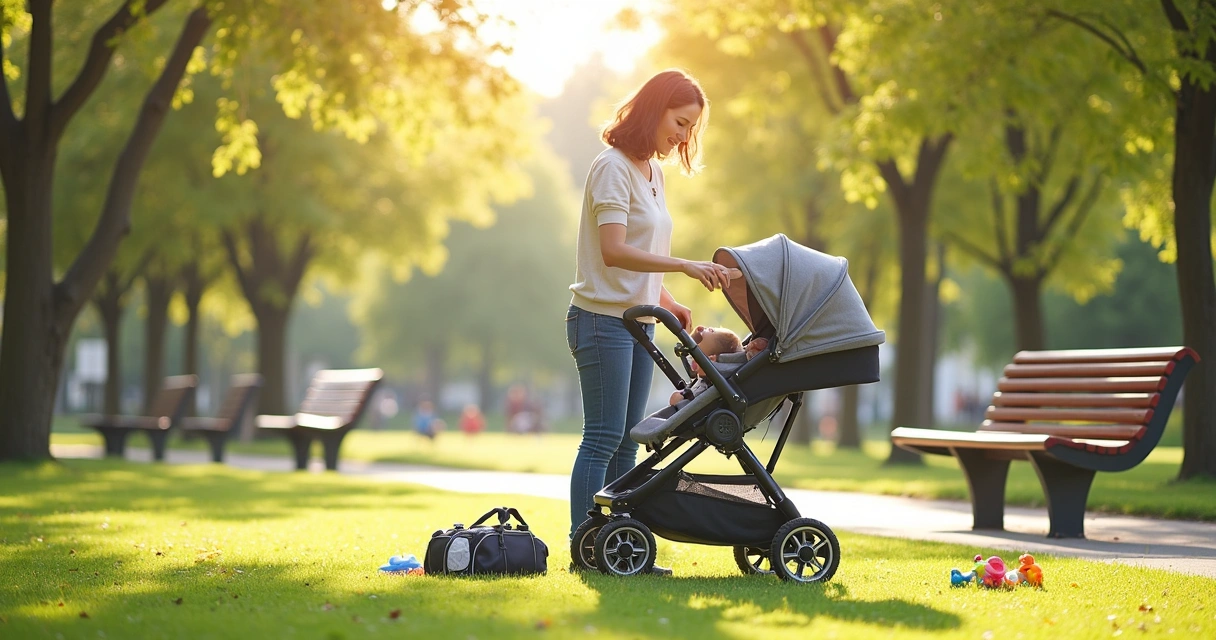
x,y
1067,356
1100,431
329,408
1110,385
1002,399
1088,370
905,436
339,385
1122,416
349,395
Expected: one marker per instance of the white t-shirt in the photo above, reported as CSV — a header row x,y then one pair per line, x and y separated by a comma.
x,y
617,192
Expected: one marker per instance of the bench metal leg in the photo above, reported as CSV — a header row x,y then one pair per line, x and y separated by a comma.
x,y
332,442
115,439
216,439
986,478
300,443
158,439
1067,490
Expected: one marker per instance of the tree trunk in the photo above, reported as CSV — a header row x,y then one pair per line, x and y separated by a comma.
x,y
272,358
849,425
194,287
158,290
803,430
907,411
932,315
1028,311
32,340
109,306
1194,173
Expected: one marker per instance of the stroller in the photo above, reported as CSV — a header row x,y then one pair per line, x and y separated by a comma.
x,y
819,336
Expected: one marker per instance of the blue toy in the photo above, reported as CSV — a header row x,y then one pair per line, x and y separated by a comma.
x,y
401,564
960,579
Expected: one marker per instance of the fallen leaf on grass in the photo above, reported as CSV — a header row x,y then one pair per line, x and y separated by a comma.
x,y
83,614
543,624
71,552
1146,607
178,601
394,614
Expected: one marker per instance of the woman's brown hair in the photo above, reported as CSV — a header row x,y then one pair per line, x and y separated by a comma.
x,y
632,129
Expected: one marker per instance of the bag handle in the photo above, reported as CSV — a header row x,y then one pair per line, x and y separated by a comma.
x,y
504,514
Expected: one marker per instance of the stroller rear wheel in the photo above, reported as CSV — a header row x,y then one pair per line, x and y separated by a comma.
x,y
582,543
805,550
753,561
624,547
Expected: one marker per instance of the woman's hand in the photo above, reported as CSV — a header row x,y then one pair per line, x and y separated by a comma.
x,y
681,312
711,274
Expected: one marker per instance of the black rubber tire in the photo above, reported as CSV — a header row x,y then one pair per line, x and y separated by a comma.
x,y
802,543
753,561
582,543
624,547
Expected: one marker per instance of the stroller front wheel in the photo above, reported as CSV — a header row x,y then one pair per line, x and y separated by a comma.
x,y
624,547
753,561
805,550
582,543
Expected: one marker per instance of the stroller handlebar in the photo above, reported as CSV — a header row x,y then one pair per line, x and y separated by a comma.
x,y
733,399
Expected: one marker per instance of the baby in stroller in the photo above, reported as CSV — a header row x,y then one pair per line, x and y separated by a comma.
x,y
719,344
819,335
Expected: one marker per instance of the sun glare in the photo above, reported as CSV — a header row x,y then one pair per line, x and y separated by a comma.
x,y
550,38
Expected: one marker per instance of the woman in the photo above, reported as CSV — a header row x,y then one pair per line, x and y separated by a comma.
x,y
624,248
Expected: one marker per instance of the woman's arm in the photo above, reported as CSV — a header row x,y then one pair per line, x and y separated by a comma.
x,y
681,312
618,254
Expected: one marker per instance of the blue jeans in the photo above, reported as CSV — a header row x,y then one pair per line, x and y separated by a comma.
x,y
614,374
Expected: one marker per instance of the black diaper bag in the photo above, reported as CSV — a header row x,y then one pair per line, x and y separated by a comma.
x,y
491,549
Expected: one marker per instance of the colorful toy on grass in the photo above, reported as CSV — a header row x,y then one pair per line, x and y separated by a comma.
x,y
1013,579
1033,573
403,565
960,579
994,573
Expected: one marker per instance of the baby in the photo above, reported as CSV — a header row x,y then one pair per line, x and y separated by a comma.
x,y
715,342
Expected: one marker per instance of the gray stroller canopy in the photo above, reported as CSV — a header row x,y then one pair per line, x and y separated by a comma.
x,y
801,297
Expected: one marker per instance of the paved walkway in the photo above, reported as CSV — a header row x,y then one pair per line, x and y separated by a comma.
x,y
1174,545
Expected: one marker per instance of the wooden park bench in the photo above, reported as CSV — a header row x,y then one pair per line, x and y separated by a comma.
x,y
238,402
167,410
1068,413
332,406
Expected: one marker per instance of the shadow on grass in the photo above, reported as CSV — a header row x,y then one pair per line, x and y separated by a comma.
x,y
214,491
702,604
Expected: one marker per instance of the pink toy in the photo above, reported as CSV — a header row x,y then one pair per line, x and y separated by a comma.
x,y
994,573
1032,572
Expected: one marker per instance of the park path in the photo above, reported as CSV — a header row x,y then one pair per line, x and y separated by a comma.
x,y
1173,545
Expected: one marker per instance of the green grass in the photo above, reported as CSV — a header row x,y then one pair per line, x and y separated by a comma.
x,y
150,551
1148,489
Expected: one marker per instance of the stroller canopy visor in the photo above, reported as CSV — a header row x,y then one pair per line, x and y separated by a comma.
x,y
801,297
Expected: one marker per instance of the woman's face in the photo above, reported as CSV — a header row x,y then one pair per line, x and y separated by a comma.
x,y
674,127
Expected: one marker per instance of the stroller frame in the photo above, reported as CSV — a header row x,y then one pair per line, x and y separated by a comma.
x,y
616,539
